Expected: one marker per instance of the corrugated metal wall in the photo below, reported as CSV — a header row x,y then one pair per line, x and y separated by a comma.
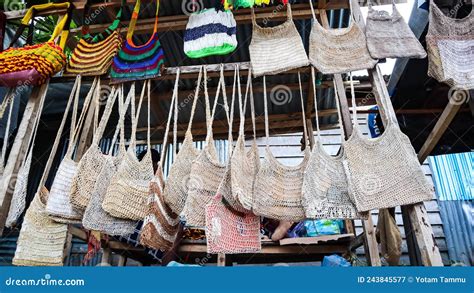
x,y
454,185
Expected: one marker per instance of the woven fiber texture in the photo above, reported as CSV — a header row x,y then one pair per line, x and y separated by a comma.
x,y
95,218
161,223
175,191
325,190
383,172
338,50
41,241
389,36
244,163
276,49
206,171
59,205
210,32
450,44
91,163
278,188
17,204
127,194
227,230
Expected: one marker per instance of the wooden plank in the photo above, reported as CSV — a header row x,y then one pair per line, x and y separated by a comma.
x,y
18,151
314,240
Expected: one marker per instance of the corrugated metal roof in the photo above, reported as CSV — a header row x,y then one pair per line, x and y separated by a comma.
x,y
453,176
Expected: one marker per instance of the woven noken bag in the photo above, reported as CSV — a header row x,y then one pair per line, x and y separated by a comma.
x,y
92,161
276,49
338,50
450,43
278,188
389,36
41,240
175,191
244,164
383,172
161,224
325,190
59,205
206,171
95,218
127,194
18,202
228,230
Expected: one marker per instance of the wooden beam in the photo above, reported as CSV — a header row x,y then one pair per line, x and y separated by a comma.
x,y
18,150
419,225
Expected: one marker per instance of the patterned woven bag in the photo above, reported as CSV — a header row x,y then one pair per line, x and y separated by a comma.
x,y
228,230
210,32
450,44
95,218
325,190
92,161
160,226
18,202
276,49
389,36
127,194
175,191
244,163
34,64
41,241
278,188
135,62
93,55
339,50
383,172
59,205
206,171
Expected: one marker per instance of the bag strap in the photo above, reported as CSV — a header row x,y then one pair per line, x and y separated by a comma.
x,y
108,31
146,87
76,126
106,115
196,95
6,135
289,14
174,102
354,103
54,149
243,107
133,21
306,143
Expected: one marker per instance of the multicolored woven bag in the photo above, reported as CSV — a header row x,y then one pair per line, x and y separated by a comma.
x,y
93,55
210,32
138,62
34,64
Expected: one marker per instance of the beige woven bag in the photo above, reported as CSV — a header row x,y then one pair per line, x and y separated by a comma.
x,y
206,171
160,226
278,188
18,202
338,50
95,218
127,194
175,192
276,49
389,36
92,161
450,43
383,172
59,205
325,190
244,163
41,240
